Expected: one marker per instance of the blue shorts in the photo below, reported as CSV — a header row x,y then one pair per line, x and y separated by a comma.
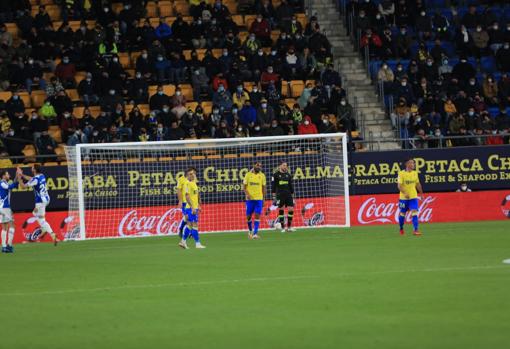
x,y
254,206
183,208
408,205
191,218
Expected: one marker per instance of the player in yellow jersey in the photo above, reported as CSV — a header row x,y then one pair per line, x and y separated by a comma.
x,y
409,187
255,189
192,208
181,196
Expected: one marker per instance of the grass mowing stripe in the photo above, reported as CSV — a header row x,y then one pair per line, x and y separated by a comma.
x,y
260,279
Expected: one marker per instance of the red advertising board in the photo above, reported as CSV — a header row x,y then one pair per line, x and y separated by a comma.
x,y
365,210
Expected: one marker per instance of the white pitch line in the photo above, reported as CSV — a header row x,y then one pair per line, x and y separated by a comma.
x,y
238,281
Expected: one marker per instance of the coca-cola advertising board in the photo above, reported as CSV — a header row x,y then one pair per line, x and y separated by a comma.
x,y
365,210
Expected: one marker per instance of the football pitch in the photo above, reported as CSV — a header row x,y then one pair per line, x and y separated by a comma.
x,y
362,287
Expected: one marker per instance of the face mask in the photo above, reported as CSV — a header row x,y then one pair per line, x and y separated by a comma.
x,y
239,129
252,38
20,116
234,111
160,129
95,133
260,53
160,59
216,112
160,93
138,76
343,102
165,110
115,59
112,93
270,71
273,53
34,117
429,64
264,105
494,132
255,89
15,98
65,61
11,133
506,46
66,115
106,10
437,134
144,56
30,61
404,84
306,123
325,122
418,119
463,187
274,125
257,128
399,68
478,30
221,89
178,93
225,54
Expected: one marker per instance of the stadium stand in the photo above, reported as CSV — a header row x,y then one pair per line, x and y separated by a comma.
x,y
443,70
78,71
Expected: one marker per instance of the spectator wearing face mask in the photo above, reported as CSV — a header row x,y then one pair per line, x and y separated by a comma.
x,y
88,90
240,96
480,41
490,90
178,103
251,45
463,188
175,132
77,137
69,124
261,30
144,66
275,129
46,145
163,69
33,75
138,89
200,83
14,104
66,72
326,126
159,99
265,115
307,127
269,76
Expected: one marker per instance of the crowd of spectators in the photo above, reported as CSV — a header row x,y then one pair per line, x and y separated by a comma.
x,y
244,83
446,68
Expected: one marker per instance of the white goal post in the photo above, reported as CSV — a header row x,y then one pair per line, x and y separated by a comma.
x,y
129,189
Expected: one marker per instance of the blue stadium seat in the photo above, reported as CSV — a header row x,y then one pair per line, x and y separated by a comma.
x,y
488,64
493,111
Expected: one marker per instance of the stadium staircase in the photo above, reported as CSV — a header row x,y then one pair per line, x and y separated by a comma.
x,y
371,116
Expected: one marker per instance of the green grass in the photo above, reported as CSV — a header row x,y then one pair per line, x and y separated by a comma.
x,y
355,288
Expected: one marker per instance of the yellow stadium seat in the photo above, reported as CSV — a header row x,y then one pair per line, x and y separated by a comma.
x,y
95,111
124,60
13,29
26,99
301,18
248,20
217,52
78,112
296,88
285,88
132,161
29,152
80,75
73,94
290,102
116,161
181,7
198,157
191,105
229,156
5,95
187,91
55,133
134,57
207,107
51,163
38,98
187,54
246,155
165,158
144,109
152,9
117,7
165,9
169,89
239,20
152,90
274,35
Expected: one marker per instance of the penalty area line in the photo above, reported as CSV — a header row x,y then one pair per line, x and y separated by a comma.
x,y
245,280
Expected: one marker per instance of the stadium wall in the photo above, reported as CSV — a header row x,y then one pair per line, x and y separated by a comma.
x,y
365,210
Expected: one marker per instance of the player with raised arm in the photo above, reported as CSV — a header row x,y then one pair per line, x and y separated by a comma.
x,y
409,187
6,217
42,198
255,188
283,192
181,197
192,199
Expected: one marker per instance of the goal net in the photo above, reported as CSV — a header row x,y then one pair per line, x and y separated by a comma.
x,y
129,189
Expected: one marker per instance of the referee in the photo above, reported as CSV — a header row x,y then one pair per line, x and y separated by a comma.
x,y
283,192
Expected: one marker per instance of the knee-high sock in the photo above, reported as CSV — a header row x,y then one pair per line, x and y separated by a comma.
x,y
249,224
181,226
4,238
256,228
290,215
186,233
281,217
10,236
194,233
401,220
415,221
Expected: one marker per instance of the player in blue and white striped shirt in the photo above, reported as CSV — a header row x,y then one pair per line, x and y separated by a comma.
x,y
6,218
42,198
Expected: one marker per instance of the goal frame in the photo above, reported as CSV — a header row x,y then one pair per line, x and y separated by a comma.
x,y
78,160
